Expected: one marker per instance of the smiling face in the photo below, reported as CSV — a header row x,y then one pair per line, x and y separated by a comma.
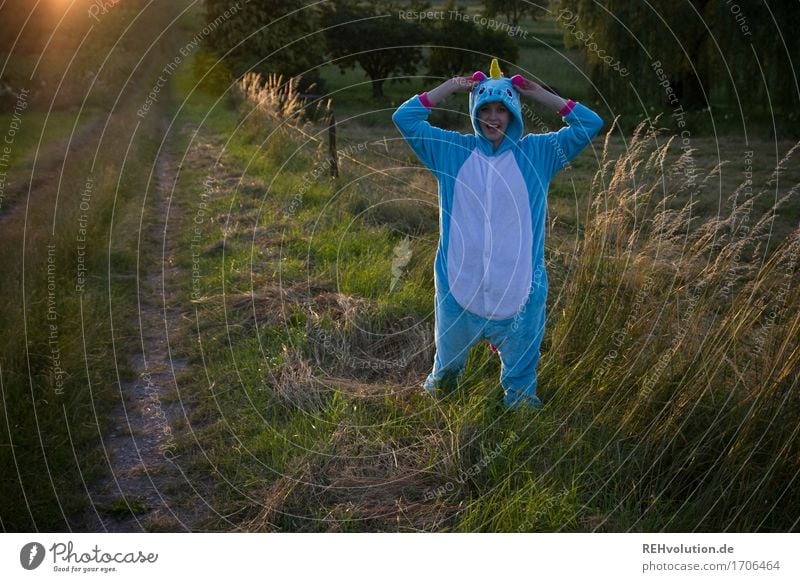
x,y
495,115
493,119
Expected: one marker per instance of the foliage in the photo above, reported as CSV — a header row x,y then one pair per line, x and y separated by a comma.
x,y
513,10
373,36
267,36
707,50
459,46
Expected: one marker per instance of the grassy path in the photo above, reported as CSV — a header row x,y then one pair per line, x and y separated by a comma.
x,y
145,483
71,303
307,415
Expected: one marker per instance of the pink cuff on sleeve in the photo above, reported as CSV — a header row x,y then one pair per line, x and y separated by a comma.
x,y
567,108
425,101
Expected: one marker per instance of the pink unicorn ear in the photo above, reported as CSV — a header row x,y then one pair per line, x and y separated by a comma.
x,y
478,76
518,81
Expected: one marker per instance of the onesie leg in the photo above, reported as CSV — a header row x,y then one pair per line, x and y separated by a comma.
x,y
518,343
456,331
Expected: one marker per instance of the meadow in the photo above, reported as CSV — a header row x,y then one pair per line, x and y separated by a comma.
x,y
668,367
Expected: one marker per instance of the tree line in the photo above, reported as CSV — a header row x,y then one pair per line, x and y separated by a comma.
x,y
711,52
386,38
736,52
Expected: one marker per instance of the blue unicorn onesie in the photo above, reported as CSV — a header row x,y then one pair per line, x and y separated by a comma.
x,y
489,270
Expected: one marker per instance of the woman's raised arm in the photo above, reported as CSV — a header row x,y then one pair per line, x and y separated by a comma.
x,y
443,91
433,145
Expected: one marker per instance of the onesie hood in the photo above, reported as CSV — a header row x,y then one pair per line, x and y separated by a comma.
x,y
492,89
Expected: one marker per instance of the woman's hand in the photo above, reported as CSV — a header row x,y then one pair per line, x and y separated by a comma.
x,y
450,86
539,94
529,88
462,84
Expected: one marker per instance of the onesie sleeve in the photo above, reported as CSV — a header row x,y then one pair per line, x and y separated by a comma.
x,y
563,146
432,144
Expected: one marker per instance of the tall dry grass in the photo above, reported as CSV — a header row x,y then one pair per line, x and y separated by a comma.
x,y
271,98
682,333
669,367
276,114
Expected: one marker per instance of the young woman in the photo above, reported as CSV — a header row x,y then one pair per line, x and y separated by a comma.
x,y
489,270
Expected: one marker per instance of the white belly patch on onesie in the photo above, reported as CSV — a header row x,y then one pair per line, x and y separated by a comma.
x,y
489,263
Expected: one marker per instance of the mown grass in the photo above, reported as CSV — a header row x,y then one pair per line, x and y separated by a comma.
x,y
667,362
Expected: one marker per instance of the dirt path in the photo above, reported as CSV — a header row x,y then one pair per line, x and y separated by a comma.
x,y
147,490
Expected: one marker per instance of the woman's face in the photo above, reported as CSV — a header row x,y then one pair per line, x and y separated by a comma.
x,y
493,121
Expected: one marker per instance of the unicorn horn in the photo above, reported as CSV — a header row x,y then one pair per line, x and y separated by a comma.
x,y
494,70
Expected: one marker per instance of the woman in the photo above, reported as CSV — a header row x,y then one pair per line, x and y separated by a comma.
x,y
489,270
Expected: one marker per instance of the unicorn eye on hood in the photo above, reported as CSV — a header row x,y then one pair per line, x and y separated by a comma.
x,y
496,88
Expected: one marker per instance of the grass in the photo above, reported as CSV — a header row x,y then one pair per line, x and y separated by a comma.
x,y
123,507
59,377
668,361
29,146
660,388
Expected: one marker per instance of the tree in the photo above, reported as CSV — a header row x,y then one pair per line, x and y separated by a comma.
x,y
374,36
706,50
757,39
513,10
627,31
267,36
459,46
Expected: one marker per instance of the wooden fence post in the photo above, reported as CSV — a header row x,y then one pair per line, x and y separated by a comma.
x,y
332,141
